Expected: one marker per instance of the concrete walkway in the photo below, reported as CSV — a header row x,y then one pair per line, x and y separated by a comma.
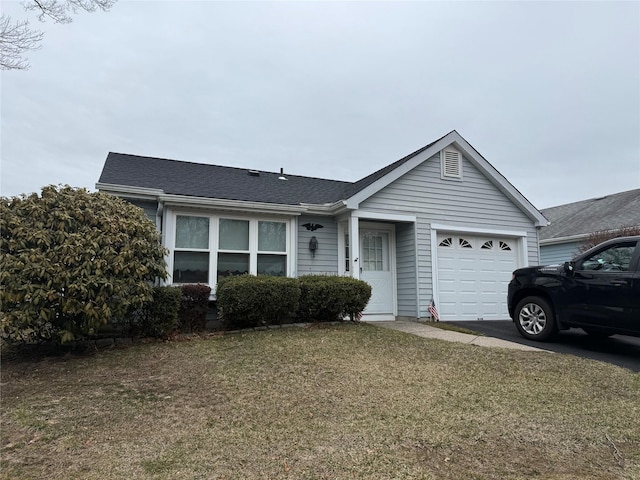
x,y
422,330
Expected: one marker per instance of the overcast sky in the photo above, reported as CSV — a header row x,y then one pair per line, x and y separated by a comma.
x,y
547,92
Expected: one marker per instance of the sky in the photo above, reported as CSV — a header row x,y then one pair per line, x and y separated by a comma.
x,y
547,92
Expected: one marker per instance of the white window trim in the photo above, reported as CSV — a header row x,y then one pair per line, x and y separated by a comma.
x,y
213,250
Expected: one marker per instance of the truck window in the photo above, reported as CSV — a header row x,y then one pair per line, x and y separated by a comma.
x,y
613,259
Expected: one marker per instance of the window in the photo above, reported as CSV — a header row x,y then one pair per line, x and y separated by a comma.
x,y
272,247
233,247
614,259
346,252
504,246
488,245
464,243
208,248
373,252
191,254
451,164
446,242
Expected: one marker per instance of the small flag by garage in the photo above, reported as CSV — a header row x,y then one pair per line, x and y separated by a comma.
x,y
433,311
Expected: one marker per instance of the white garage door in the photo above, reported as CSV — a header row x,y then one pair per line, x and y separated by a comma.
x,y
473,275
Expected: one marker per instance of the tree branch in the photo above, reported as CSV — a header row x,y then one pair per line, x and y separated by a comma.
x,y
17,38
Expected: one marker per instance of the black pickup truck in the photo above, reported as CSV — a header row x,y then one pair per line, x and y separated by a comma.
x,y
598,291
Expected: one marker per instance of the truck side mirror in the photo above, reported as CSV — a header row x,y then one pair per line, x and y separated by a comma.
x,y
569,267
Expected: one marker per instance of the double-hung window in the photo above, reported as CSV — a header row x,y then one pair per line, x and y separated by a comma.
x,y
209,248
233,247
191,255
272,249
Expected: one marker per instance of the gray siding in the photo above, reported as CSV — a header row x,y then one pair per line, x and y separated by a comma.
x,y
406,269
150,208
471,202
326,258
560,253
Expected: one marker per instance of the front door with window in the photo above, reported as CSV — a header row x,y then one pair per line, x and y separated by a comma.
x,y
377,270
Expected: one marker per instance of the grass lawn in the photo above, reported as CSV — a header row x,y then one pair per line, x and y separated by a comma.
x,y
337,402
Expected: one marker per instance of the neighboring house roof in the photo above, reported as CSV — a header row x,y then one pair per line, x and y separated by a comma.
x,y
575,221
133,174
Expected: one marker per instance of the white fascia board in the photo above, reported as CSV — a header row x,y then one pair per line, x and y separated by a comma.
x,y
354,201
328,209
237,205
567,239
392,217
129,191
499,180
473,156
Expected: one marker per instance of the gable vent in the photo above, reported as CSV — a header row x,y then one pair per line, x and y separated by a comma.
x,y
452,164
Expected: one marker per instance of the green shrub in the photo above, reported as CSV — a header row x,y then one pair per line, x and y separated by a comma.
x,y
331,298
158,318
249,301
194,307
71,261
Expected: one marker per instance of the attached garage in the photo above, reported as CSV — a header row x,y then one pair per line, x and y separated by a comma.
x,y
473,272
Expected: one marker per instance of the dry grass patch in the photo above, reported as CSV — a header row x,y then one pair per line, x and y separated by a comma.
x,y
348,401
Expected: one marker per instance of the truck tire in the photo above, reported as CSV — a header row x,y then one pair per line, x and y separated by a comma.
x,y
535,319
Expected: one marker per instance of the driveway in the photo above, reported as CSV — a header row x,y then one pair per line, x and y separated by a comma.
x,y
619,349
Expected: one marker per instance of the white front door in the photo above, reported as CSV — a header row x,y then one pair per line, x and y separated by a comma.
x,y
377,270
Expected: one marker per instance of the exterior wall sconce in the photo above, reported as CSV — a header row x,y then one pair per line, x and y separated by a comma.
x,y
312,226
313,246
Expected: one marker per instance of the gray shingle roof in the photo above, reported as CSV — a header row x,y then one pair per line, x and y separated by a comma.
x,y
230,183
593,215
214,181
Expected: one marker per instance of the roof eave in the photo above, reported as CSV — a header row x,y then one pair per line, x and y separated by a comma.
x,y
238,205
567,239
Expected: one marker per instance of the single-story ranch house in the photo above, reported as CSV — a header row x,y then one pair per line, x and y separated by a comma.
x,y
440,224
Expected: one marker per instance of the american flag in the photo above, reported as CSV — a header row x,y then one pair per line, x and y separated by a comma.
x,y
433,311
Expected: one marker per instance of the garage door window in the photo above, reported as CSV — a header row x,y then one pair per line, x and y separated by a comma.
x,y
446,242
465,243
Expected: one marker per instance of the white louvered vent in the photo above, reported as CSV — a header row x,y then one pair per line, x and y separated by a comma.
x,y
451,164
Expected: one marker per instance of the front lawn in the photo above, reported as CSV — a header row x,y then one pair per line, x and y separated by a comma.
x,y
333,402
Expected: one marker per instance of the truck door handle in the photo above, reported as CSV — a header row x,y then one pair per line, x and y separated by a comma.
x,y
619,283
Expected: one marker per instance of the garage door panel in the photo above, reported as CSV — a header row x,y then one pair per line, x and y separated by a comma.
x,y
473,281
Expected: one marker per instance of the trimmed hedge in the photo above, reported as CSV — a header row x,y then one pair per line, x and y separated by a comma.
x,y
158,318
249,301
325,298
194,307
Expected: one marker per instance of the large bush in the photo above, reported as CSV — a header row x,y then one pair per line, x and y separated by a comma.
x,y
249,301
71,261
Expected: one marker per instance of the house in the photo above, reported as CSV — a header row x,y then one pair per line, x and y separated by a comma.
x,y
572,224
440,224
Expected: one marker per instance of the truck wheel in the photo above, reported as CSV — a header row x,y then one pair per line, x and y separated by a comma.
x,y
534,319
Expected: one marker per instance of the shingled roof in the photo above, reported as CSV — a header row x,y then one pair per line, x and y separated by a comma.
x,y
230,183
593,215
